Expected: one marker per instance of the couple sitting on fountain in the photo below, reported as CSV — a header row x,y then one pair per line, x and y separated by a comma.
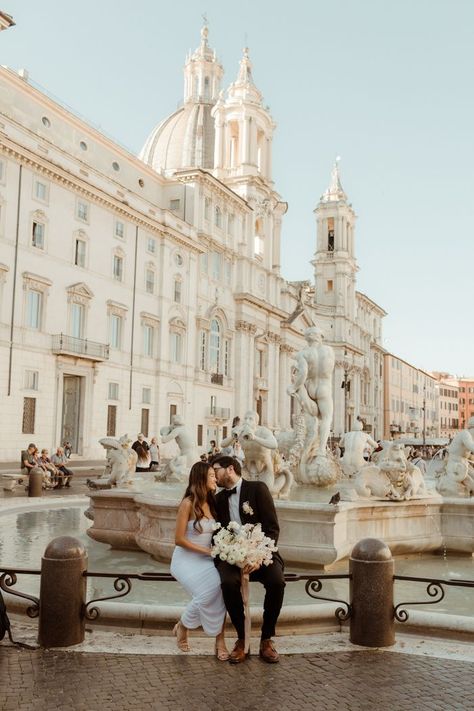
x,y
215,587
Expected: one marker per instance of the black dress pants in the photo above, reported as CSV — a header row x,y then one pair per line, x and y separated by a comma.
x,y
272,579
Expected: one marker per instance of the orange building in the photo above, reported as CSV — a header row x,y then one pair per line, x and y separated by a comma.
x,y
466,400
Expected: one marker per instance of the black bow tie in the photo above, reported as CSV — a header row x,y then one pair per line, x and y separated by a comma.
x,y
229,492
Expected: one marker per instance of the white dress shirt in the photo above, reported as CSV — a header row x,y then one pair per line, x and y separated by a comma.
x,y
234,499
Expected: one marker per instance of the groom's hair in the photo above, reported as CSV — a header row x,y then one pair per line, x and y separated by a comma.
x,y
226,461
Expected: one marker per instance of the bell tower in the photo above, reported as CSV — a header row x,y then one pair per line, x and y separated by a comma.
x,y
335,266
244,129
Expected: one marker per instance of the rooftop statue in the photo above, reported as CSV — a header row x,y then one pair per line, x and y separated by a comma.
x,y
456,478
262,461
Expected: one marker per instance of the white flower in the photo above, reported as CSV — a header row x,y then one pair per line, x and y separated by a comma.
x,y
216,526
246,508
233,526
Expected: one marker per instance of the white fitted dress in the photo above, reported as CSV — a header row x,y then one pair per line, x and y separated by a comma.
x,y
198,575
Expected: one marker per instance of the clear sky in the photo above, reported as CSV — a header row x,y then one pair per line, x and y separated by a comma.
x,y
386,85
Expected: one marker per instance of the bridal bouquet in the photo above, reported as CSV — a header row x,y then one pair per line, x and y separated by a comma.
x,y
242,545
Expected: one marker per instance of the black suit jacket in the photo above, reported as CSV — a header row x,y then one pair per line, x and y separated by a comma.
x,y
258,496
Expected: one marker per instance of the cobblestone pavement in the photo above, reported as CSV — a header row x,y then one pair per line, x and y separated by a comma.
x,y
53,680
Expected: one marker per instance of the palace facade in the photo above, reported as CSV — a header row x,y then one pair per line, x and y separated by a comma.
x,y
136,287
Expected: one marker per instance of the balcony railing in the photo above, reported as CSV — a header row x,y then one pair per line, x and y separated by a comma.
x,y
218,413
68,345
217,378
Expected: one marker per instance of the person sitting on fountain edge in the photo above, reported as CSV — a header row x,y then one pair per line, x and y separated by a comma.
x,y
249,502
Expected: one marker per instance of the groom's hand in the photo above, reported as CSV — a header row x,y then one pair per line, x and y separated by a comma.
x,y
251,568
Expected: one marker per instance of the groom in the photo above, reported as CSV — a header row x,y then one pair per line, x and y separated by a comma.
x,y
249,502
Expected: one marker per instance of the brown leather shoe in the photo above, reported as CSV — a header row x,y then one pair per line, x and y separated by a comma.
x,y
268,652
238,653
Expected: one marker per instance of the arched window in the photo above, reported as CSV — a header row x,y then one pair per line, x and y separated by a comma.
x,y
218,216
207,85
215,346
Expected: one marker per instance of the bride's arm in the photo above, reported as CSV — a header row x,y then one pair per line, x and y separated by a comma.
x,y
182,519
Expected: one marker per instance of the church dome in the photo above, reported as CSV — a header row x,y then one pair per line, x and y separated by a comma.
x,y
186,138
183,140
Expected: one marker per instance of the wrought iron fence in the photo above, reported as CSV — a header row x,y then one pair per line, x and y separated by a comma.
x,y
435,589
122,583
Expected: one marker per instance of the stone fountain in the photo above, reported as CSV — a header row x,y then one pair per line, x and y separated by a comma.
x,y
387,499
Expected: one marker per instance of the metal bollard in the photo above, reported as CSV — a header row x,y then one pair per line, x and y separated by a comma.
x,y
371,593
62,593
35,482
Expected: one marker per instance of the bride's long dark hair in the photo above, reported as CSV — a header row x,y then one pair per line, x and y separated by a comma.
x,y
199,494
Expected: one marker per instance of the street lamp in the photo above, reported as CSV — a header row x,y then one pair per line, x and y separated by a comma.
x,y
346,385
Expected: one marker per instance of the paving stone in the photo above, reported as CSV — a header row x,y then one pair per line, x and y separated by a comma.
x,y
362,680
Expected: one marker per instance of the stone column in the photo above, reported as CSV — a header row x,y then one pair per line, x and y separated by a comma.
x,y
372,622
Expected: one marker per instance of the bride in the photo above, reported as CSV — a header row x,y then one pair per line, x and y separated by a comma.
x,y
192,564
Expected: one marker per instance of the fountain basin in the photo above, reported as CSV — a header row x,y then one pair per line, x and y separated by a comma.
x,y
313,534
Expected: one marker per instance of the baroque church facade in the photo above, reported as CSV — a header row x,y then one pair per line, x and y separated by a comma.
x,y
133,288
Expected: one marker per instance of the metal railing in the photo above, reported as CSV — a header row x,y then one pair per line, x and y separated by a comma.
x,y
79,347
435,590
220,413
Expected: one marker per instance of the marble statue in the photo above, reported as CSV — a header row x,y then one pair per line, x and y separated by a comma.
x,y
177,469
312,388
394,477
355,443
456,478
262,461
120,466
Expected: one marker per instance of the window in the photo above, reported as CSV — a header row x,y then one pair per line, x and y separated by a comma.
x,y
148,337
218,217
115,330
31,379
41,191
146,396
151,245
174,204
176,347
207,208
330,285
145,419
37,235
213,404
207,85
331,234
173,411
82,211
29,412
77,320
80,253
111,420
119,229
177,291
259,363
199,435
33,309
113,391
150,281
118,267
215,346
231,224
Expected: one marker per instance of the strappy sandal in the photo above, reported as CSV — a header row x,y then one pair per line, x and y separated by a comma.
x,y
181,640
221,654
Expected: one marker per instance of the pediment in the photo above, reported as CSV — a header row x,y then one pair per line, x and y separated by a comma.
x,y
80,289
